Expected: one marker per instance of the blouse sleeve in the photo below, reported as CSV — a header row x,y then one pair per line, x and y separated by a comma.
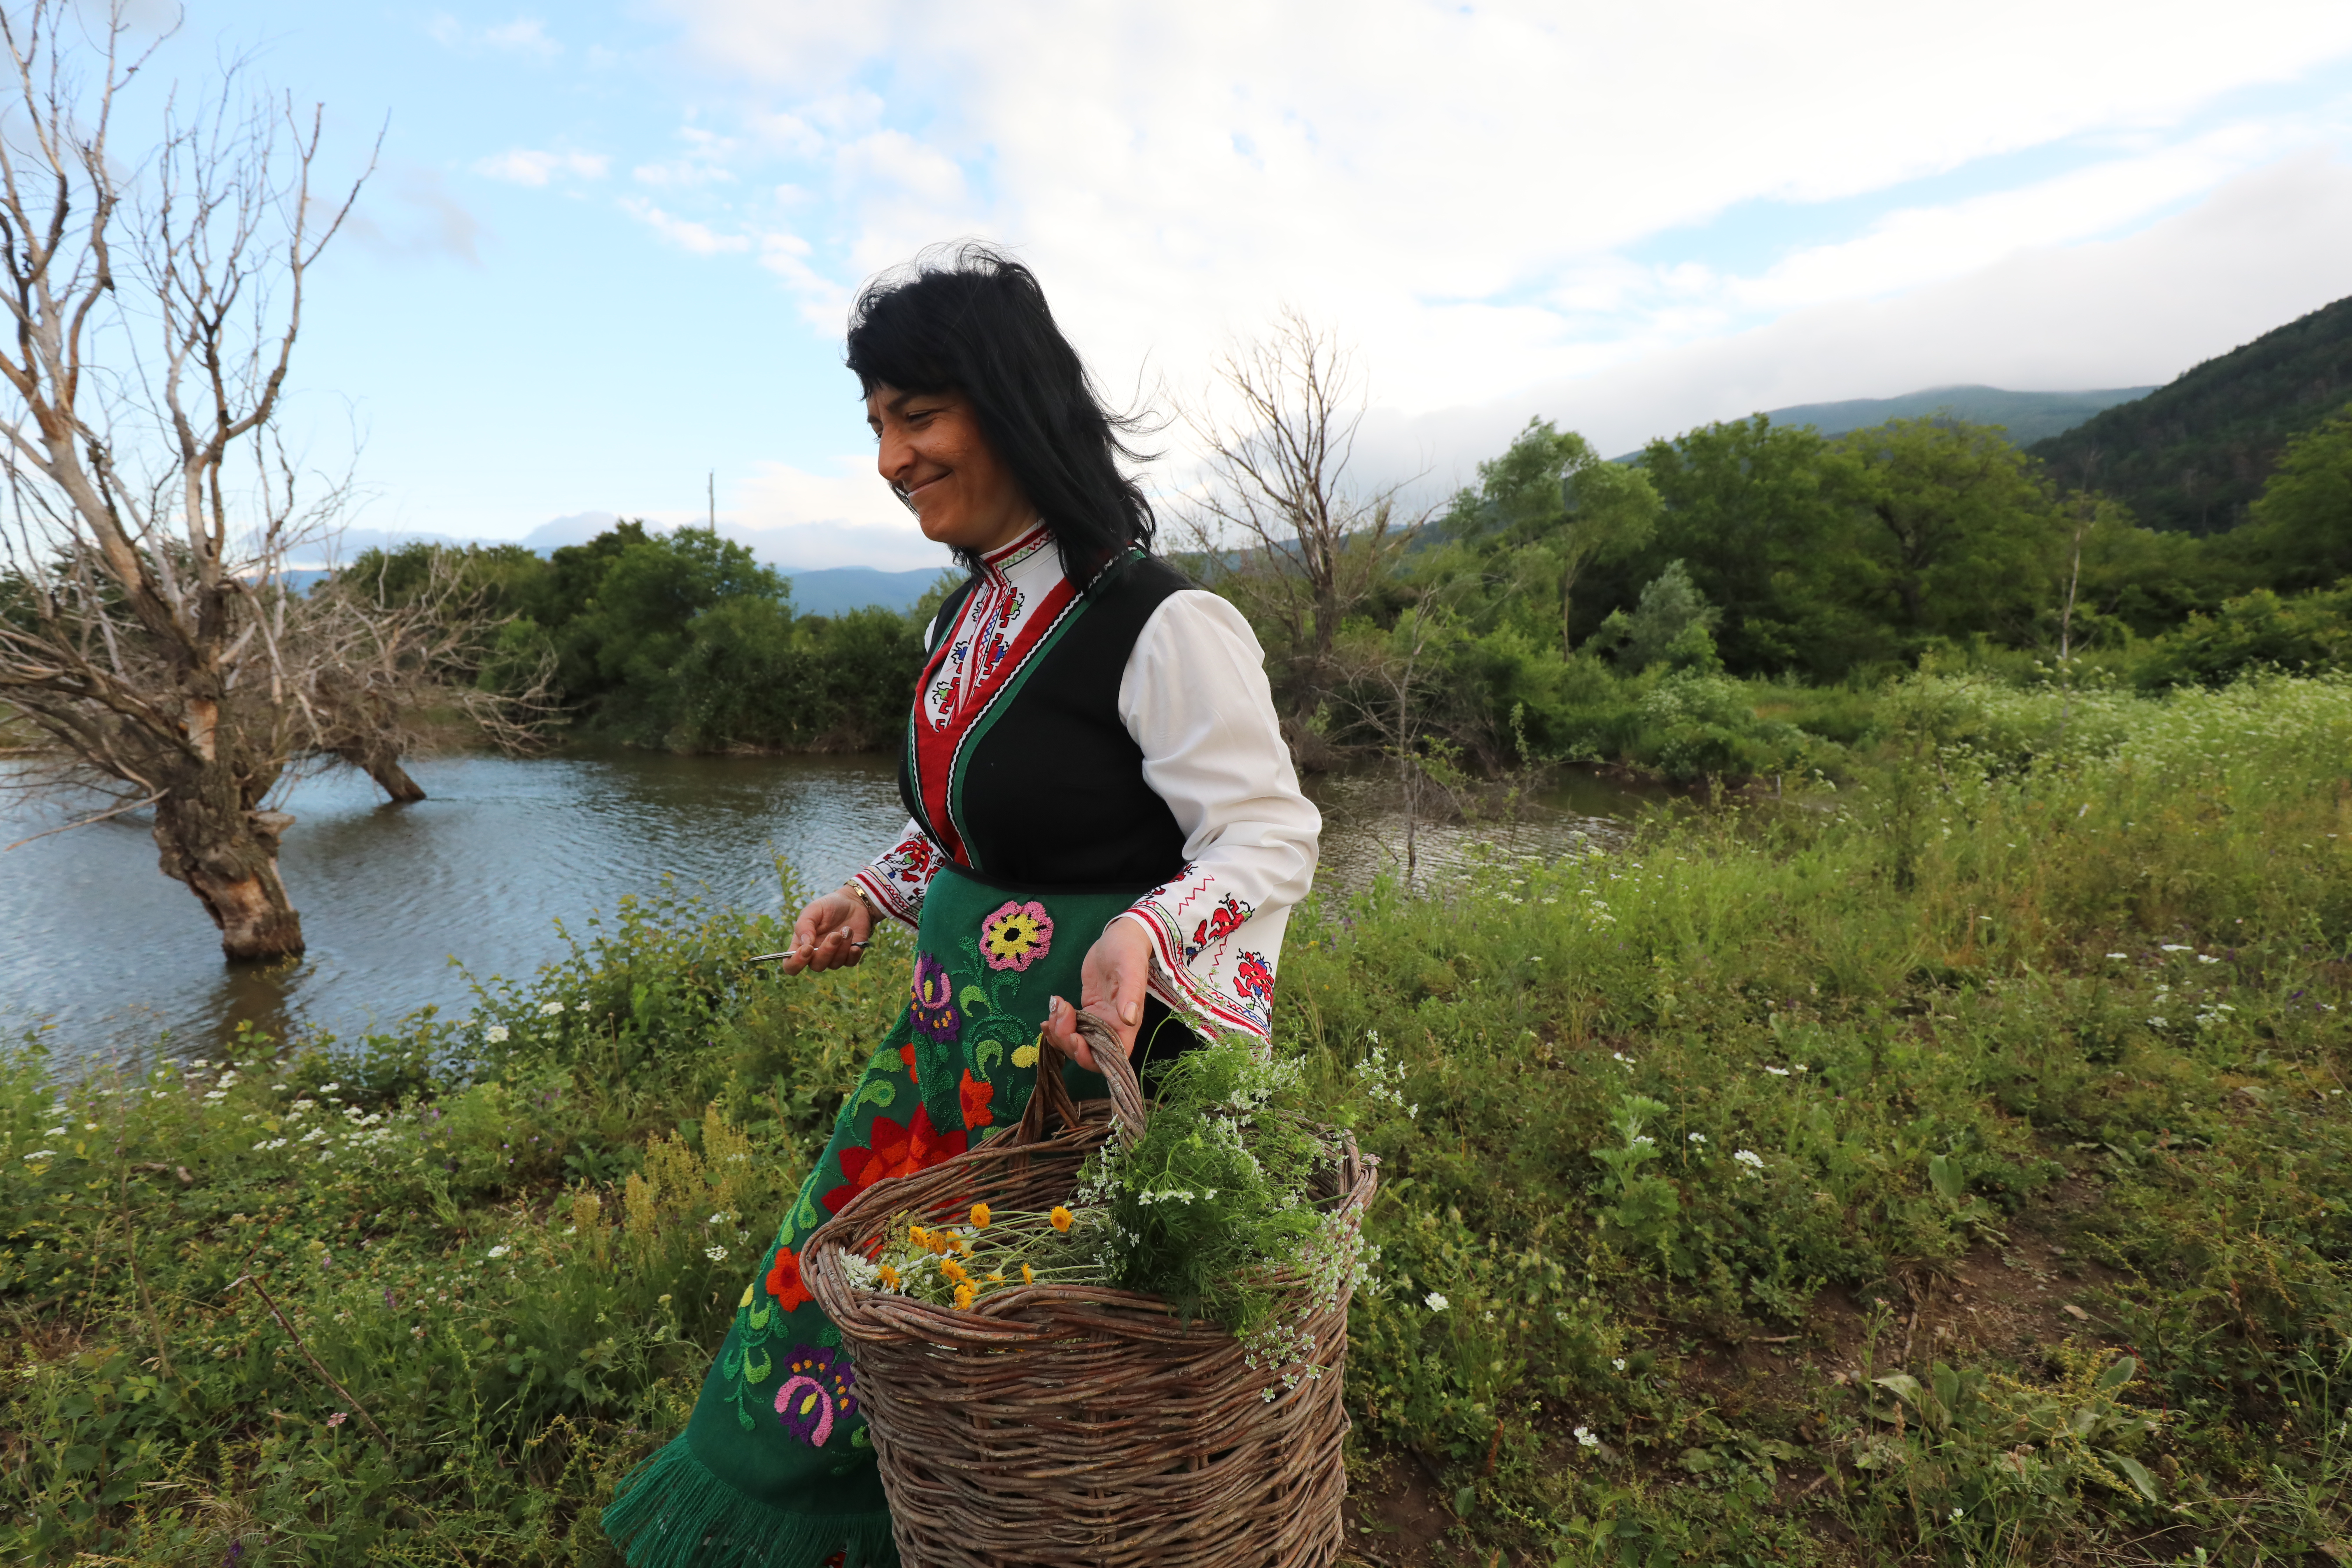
x,y
896,881
1194,697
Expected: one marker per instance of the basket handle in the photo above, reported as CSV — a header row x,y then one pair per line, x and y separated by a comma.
x,y
1050,1097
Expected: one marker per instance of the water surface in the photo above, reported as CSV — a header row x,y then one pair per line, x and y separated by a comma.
x,y
104,955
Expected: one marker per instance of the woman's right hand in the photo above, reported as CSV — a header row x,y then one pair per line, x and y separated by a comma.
x,y
831,933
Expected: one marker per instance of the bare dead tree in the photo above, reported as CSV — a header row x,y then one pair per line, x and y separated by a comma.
x,y
1306,544
149,633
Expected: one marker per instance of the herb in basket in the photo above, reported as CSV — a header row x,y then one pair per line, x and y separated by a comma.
x,y
1208,1210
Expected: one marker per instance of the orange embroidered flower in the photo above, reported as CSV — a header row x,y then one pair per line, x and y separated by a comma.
x,y
975,1094
784,1280
907,1055
1061,1218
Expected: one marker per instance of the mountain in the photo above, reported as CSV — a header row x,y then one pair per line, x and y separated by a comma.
x,y
2194,453
835,589
2028,417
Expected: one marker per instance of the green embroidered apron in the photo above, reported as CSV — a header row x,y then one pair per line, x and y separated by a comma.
x,y
775,1469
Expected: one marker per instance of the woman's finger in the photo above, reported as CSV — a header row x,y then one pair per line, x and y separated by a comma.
x,y
1062,1028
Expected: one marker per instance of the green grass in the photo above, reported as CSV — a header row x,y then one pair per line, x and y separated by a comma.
x,y
2045,1007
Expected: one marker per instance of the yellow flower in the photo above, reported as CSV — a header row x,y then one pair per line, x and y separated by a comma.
x,y
997,1278
917,1237
963,1298
1028,1275
979,1217
954,1271
1026,1056
886,1277
1061,1218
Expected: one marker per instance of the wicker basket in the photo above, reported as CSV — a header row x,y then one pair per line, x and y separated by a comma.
x,y
1064,1424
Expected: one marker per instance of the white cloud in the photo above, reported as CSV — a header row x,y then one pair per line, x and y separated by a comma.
x,y
1459,187
525,35
684,233
528,166
847,518
2267,247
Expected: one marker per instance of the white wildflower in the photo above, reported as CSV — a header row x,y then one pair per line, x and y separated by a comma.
x,y
1619,1364
214,1096
1621,1057
1698,1137
1778,1072
2176,947
721,1217
716,1254
1434,1302
42,1155
549,1010
1585,1438
2119,956
580,1006
56,1132
500,1250
1640,1138
1749,1158
2207,958
495,1034
329,1087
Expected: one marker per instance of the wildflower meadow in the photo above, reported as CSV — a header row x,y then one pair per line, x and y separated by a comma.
x,y
1945,1161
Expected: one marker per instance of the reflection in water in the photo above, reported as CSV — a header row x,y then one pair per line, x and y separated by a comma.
x,y
96,946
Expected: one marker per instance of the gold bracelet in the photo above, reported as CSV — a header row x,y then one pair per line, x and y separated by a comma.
x,y
858,893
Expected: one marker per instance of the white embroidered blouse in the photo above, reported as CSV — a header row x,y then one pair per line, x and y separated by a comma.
x,y
1194,698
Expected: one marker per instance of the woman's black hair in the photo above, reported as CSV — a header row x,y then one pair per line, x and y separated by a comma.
x,y
968,318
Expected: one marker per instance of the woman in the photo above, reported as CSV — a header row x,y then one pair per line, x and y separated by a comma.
x,y
1099,801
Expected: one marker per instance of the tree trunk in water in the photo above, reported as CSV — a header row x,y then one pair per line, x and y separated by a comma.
x,y
228,856
390,776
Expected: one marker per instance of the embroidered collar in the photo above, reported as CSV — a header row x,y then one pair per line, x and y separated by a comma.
x,y
1001,565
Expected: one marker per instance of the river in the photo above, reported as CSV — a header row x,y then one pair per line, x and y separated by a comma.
x,y
103,957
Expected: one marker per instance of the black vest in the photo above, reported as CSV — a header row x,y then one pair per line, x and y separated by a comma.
x,y
1052,795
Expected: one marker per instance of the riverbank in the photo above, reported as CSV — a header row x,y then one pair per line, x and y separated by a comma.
x,y
1956,1170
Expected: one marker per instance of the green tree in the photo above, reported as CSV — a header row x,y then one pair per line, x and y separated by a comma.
x,y
1763,515
2300,534
1967,532
619,653
1553,504
1671,624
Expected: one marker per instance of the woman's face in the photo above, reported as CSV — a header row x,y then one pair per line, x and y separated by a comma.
x,y
933,454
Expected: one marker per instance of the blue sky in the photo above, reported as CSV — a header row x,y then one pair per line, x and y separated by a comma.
x,y
609,247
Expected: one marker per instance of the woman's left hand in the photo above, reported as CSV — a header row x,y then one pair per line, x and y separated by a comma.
x,y
1111,983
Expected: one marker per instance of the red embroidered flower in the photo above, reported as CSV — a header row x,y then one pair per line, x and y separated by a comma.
x,y
1252,980
893,1151
975,1096
784,1280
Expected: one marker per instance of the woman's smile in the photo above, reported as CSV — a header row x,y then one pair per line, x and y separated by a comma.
x,y
931,450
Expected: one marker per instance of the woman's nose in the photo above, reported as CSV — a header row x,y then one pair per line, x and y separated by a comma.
x,y
894,455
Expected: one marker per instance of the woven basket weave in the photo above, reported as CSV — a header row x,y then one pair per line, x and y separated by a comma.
x,y
1062,1424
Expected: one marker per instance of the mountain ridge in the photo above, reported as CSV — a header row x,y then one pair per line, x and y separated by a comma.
x,y
2192,454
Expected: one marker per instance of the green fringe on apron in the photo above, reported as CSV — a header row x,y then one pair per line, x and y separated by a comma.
x,y
775,1469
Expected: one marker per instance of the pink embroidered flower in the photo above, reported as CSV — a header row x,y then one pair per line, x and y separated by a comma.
x,y
1017,935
